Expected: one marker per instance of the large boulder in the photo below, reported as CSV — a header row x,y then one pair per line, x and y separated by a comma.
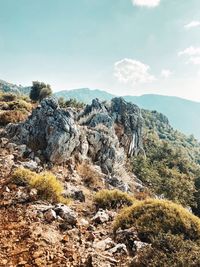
x,y
49,130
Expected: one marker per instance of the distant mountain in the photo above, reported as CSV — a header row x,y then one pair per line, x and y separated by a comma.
x,y
13,88
184,115
84,95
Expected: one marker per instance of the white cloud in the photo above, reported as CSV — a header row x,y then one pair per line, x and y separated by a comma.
x,y
190,51
195,60
193,54
166,73
192,24
146,3
132,72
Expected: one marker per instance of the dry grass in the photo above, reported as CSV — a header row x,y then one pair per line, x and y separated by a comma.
x,y
47,185
12,116
90,176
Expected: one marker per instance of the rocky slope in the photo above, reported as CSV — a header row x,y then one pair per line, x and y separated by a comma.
x,y
92,143
66,173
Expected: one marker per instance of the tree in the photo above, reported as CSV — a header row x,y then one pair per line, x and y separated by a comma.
x,y
39,91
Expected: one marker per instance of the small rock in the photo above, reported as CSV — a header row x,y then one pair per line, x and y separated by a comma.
x,y
101,216
7,189
127,237
37,160
22,150
50,215
83,222
140,245
3,141
104,244
32,165
67,214
119,248
11,147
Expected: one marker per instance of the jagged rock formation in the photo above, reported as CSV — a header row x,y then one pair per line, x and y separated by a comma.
x,y
103,132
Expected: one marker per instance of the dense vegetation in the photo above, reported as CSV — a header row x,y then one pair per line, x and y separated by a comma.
x,y
13,108
171,167
171,233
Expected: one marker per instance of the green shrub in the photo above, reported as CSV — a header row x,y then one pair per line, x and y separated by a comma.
x,y
73,103
169,250
40,90
112,199
151,217
47,185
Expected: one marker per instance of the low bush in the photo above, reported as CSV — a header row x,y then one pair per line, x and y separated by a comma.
x,y
6,97
20,104
151,217
47,185
112,199
22,176
12,116
169,250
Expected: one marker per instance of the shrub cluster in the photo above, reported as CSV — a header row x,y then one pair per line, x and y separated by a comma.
x,y
152,216
110,199
48,187
172,232
169,250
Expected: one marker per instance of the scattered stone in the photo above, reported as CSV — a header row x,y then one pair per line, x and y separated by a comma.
x,y
32,165
50,215
104,244
11,147
101,216
119,248
3,142
21,150
140,245
127,237
83,222
67,214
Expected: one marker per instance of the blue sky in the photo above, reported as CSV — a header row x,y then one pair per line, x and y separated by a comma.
x,y
122,46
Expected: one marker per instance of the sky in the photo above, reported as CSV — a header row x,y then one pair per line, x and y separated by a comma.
x,y
125,47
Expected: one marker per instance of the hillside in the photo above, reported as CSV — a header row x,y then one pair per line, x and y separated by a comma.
x,y
182,114
7,87
67,172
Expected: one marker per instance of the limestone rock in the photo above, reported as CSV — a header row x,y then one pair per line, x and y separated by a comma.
x,y
104,244
101,216
105,133
49,129
67,214
50,215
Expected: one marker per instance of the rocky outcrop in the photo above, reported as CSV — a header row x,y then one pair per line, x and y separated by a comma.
x,y
50,131
105,133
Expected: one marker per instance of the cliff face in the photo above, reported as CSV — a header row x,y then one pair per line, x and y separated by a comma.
x,y
104,133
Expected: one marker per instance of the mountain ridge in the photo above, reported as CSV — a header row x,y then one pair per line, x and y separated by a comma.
x,y
178,110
